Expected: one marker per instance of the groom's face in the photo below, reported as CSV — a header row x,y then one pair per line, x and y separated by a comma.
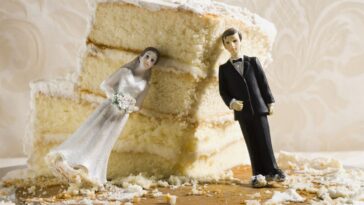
x,y
232,44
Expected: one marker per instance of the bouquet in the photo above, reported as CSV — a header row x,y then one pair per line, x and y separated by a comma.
x,y
124,102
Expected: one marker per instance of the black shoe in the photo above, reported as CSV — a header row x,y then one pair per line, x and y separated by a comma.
x,y
278,175
258,181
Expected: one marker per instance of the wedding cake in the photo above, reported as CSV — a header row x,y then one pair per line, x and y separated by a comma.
x,y
183,127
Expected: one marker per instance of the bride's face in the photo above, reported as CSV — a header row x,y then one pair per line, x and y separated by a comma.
x,y
148,59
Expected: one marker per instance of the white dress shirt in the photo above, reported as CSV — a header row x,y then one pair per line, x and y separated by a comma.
x,y
239,66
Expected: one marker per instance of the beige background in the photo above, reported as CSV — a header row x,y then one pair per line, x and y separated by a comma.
x,y
317,75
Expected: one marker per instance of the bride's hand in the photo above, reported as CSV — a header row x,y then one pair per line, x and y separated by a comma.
x,y
135,108
132,109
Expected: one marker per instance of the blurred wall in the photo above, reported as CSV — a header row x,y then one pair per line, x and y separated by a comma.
x,y
317,76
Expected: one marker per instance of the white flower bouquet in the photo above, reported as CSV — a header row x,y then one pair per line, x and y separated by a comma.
x,y
124,102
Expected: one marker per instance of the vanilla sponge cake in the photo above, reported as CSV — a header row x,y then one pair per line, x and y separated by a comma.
x,y
183,128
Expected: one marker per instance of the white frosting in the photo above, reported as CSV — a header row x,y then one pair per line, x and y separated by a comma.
x,y
53,87
83,50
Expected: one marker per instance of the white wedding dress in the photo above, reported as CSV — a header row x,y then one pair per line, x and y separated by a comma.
x,y
90,145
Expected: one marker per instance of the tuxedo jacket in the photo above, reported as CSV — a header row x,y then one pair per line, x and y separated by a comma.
x,y
252,88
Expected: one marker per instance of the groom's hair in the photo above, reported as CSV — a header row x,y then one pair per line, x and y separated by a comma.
x,y
229,32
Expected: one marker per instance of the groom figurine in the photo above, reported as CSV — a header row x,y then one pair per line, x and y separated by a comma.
x,y
244,89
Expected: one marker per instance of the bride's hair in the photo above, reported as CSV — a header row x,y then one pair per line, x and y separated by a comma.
x,y
135,63
113,79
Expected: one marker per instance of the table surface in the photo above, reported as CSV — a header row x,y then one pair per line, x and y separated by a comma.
x,y
211,194
219,194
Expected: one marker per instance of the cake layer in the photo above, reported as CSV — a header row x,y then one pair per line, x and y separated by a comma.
x,y
122,164
59,115
36,160
176,88
166,138
209,107
98,64
214,137
191,35
229,156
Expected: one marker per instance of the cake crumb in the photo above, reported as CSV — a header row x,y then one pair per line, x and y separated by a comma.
x,y
195,189
156,193
136,199
162,183
139,179
31,190
171,199
288,196
176,181
251,202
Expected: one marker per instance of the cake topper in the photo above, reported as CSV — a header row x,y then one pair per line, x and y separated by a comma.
x,y
83,157
244,89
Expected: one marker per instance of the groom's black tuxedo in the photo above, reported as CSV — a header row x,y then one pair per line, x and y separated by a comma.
x,y
251,88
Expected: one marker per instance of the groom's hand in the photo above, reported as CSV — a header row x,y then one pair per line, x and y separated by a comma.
x,y
270,109
237,105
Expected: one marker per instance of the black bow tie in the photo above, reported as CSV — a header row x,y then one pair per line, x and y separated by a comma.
x,y
238,60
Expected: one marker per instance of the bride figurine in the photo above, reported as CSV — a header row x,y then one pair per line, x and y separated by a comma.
x,y
83,157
